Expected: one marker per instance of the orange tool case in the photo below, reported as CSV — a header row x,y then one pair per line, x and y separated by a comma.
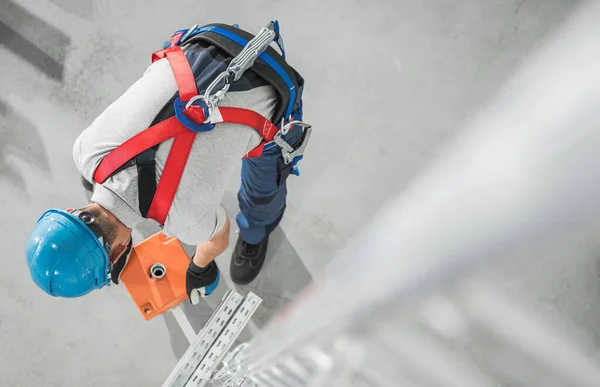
x,y
155,275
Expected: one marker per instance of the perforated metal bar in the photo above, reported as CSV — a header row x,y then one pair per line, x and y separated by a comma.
x,y
229,334
206,338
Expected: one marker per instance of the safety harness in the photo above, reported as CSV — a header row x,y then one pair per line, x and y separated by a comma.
x,y
196,113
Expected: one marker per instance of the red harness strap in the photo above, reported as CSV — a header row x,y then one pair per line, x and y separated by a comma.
x,y
243,117
171,176
183,137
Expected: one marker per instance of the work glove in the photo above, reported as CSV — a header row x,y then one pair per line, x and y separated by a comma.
x,y
201,281
119,265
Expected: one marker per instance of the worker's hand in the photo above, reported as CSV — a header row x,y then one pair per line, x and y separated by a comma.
x,y
201,281
120,263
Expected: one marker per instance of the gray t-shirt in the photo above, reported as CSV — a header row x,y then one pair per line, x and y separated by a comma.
x,y
196,213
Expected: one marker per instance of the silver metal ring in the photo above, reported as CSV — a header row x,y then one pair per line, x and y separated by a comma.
x,y
192,100
158,271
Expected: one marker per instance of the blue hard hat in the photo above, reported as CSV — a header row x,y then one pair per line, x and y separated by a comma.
x,y
65,257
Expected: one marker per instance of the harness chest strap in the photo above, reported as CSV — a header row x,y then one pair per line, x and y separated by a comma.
x,y
183,138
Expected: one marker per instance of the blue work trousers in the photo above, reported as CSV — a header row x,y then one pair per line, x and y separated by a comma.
x,y
262,195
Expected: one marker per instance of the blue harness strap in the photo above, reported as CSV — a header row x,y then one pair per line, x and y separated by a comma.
x,y
283,77
264,56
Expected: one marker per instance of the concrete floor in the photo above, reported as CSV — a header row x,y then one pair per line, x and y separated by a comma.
x,y
387,84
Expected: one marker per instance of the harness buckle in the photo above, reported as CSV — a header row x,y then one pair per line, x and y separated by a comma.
x,y
288,152
211,101
205,126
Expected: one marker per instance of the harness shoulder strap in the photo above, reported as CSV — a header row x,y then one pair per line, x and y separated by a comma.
x,y
136,145
270,65
141,146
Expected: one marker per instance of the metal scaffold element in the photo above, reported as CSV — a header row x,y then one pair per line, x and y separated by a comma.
x,y
197,364
401,306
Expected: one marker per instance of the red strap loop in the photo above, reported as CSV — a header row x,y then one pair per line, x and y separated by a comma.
x,y
238,116
160,54
186,83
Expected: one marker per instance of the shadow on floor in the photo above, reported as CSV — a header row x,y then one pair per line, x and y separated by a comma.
x,y
33,40
19,138
281,279
82,8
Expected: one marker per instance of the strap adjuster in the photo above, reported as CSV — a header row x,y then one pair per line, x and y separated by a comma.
x,y
205,126
288,152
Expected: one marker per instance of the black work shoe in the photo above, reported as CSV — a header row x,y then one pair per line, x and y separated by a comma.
x,y
247,260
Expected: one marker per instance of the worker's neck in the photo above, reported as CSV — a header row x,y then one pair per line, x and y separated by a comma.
x,y
123,232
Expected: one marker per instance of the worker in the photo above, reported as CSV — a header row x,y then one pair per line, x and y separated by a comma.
x,y
166,149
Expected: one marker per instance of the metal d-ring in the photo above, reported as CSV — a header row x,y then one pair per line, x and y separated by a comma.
x,y
211,101
211,106
286,128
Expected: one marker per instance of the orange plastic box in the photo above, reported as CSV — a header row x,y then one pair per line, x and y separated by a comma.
x,y
155,275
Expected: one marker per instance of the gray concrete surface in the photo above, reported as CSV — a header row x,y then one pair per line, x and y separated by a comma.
x,y
388,82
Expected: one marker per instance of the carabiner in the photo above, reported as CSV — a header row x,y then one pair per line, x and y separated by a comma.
x,y
288,152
